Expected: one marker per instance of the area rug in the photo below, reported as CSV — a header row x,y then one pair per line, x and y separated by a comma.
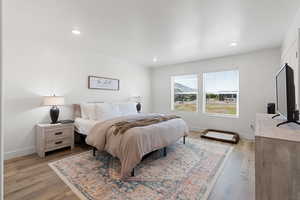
x,y
187,172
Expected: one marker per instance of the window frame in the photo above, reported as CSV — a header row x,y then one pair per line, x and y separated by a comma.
x,y
237,115
172,93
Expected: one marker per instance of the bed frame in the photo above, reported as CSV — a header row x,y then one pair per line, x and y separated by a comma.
x,y
132,172
77,113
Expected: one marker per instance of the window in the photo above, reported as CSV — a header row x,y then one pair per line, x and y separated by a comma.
x,y
221,93
184,93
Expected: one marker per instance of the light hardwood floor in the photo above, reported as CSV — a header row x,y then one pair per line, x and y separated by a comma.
x,y
30,177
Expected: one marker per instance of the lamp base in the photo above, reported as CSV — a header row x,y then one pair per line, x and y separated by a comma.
x,y
54,113
138,107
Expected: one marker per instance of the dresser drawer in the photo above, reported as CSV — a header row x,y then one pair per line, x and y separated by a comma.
x,y
58,143
54,134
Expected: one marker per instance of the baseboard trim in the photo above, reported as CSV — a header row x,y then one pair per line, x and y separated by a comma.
x,y
19,152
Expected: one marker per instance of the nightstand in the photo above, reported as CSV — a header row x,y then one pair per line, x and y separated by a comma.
x,y
50,137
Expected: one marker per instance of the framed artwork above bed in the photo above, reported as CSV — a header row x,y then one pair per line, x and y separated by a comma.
x,y
102,83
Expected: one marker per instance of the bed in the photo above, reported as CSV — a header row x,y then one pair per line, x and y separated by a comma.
x,y
98,121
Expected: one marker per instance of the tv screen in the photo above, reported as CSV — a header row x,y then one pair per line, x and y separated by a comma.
x,y
281,92
285,92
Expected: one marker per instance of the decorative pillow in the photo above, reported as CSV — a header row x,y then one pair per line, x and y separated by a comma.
x,y
128,108
105,111
88,111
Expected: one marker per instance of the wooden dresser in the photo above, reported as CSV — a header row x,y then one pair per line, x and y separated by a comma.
x,y
50,137
277,159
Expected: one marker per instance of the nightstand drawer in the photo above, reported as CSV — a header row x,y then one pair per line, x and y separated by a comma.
x,y
54,134
54,144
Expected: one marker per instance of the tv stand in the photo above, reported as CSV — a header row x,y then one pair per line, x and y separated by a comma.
x,y
277,160
287,122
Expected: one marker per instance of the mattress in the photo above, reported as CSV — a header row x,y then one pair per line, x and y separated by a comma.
x,y
130,147
83,126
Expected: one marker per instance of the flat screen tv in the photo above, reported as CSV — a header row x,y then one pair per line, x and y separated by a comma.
x,y
285,94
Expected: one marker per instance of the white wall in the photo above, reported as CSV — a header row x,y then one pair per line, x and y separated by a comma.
x,y
32,69
1,127
31,74
42,57
292,33
290,52
257,87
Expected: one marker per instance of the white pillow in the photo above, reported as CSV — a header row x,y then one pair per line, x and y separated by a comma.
x,y
88,111
128,108
105,111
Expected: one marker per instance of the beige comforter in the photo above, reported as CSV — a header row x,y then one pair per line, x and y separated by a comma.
x,y
136,142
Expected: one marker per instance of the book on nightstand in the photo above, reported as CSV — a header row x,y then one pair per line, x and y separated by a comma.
x,y
67,121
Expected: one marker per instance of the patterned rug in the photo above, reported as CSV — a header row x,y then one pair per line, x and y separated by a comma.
x,y
187,172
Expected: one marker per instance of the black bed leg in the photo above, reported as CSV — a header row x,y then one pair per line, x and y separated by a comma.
x,y
94,151
184,139
165,151
132,172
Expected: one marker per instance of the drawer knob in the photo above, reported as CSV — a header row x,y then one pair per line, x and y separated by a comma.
x,y
58,133
59,142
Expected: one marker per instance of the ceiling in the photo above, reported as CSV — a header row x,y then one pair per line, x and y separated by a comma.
x,y
136,31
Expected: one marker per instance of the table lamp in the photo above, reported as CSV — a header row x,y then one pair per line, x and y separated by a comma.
x,y
54,101
138,100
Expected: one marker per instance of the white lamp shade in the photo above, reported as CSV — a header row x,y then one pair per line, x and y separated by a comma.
x,y
53,101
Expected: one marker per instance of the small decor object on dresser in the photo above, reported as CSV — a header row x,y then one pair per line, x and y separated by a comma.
x,y
50,137
102,83
271,108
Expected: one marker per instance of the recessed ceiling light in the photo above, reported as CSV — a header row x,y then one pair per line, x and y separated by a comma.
x,y
154,59
233,44
76,32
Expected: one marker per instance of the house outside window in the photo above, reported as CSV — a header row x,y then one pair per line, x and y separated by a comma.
x,y
221,93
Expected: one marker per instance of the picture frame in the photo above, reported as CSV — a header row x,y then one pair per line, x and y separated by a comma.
x,y
103,83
